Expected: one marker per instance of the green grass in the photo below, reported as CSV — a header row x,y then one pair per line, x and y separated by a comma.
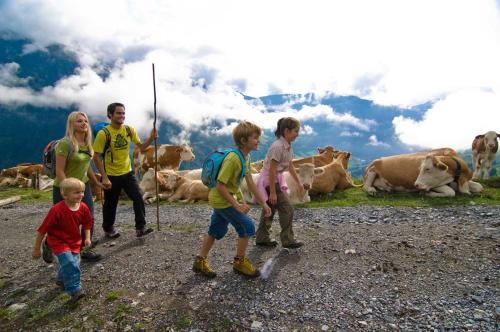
x,y
184,323
28,195
356,197
6,314
339,198
112,295
3,283
121,313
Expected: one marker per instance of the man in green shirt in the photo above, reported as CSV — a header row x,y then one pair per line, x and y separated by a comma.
x,y
116,170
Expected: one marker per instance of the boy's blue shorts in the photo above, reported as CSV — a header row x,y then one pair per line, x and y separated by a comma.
x,y
222,217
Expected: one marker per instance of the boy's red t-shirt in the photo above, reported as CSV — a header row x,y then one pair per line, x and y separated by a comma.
x,y
63,227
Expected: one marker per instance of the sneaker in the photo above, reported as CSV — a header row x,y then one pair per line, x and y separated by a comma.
x,y
201,265
90,255
293,245
270,243
243,266
46,252
77,296
142,232
112,235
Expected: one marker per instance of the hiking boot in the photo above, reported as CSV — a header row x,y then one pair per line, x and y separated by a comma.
x,y
243,266
142,232
201,265
112,235
47,253
60,284
270,243
77,296
90,255
293,245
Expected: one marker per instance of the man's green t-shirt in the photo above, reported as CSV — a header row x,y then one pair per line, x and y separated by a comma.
x,y
119,147
229,174
77,164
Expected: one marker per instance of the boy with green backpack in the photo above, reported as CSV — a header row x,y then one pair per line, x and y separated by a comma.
x,y
226,199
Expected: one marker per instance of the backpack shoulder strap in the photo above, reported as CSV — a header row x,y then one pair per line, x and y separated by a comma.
x,y
129,131
243,163
107,142
71,148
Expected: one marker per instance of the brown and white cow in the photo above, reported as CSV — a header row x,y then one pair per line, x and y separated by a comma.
x,y
437,173
186,190
7,181
306,173
28,170
334,176
165,180
325,156
484,149
173,187
169,157
10,172
193,174
397,173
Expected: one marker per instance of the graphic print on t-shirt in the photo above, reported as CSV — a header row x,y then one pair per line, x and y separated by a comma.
x,y
120,142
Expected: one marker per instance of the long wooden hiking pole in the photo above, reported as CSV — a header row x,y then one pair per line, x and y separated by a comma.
x,y
156,156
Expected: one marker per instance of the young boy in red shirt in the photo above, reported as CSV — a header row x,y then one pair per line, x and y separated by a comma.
x,y
62,226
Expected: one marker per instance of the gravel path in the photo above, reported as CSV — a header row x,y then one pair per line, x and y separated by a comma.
x,y
362,268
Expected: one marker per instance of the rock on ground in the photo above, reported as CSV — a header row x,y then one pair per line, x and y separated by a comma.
x,y
362,268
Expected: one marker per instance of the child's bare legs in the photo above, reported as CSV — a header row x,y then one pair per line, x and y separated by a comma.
x,y
242,245
208,242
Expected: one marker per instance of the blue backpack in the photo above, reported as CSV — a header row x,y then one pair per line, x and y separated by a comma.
x,y
212,164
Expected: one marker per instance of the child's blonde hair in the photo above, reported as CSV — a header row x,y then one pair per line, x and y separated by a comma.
x,y
71,184
244,130
70,132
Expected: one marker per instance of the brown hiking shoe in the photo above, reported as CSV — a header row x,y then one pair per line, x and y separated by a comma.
x,y
201,265
243,266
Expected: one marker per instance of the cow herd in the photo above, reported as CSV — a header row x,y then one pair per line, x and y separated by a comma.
x,y
437,173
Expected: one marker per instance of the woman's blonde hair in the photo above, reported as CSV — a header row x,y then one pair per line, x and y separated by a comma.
x,y
71,184
70,132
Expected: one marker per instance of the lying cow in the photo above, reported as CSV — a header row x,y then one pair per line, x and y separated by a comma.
x,y
173,187
333,176
306,173
437,173
165,180
28,170
188,191
326,155
484,149
342,157
399,173
193,174
169,157
10,172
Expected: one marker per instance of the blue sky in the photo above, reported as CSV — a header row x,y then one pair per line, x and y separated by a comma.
x,y
394,52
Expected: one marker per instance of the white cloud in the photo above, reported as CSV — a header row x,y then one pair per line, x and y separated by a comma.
x,y
350,134
454,121
393,52
8,75
375,142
